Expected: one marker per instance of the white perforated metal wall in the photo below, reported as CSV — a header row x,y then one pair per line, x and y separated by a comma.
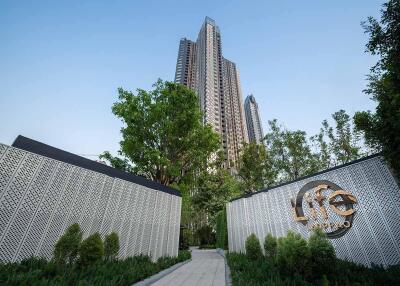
x,y
40,197
375,233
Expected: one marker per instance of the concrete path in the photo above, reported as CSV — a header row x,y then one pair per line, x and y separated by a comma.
x,y
207,268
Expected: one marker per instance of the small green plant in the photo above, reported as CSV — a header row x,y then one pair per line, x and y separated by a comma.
x,y
67,246
253,247
270,246
111,246
184,255
322,254
91,250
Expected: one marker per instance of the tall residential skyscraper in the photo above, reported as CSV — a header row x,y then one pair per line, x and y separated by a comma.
x,y
185,72
235,124
201,67
254,126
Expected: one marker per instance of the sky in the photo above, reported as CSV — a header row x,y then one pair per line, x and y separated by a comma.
x,y
61,62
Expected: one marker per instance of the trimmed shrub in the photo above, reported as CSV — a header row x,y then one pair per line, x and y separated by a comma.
x,y
258,272
67,246
253,247
270,246
294,257
322,254
91,250
111,246
293,254
222,230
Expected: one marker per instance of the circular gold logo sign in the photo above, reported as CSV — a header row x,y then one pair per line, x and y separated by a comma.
x,y
323,204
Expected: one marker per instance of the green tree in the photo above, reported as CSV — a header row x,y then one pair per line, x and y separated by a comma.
x,y
382,128
214,188
345,142
111,246
163,137
214,191
91,250
270,246
339,144
256,168
206,235
116,162
192,218
322,254
67,246
290,152
253,247
324,154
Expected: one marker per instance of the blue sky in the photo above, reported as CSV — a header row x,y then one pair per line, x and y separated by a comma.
x,y
61,62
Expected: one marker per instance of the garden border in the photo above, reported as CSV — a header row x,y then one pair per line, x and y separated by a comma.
x,y
154,278
228,280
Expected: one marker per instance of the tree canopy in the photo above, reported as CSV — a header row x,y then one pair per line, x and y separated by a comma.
x,y
256,168
382,128
290,152
215,187
339,144
163,137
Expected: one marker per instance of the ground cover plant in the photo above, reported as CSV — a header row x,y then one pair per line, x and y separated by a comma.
x,y
296,261
87,262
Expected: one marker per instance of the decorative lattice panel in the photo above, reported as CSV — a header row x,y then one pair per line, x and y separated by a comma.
x,y
374,237
40,197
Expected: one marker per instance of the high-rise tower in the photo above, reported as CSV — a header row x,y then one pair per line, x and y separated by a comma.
x,y
254,126
201,67
234,113
209,86
185,65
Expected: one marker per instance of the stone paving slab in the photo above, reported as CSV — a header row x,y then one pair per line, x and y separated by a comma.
x,y
207,268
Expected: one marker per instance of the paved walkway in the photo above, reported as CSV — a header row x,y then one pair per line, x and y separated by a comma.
x,y
207,268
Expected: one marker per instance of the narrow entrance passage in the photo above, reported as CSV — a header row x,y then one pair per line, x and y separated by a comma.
x,y
207,268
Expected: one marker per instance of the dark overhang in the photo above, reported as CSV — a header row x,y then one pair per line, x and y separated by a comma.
x,y
57,154
309,176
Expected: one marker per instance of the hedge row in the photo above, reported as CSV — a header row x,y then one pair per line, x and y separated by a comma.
x,y
39,272
85,262
292,260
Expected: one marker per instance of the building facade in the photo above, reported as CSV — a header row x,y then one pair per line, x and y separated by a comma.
x,y
357,205
236,131
201,67
254,126
185,65
43,190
